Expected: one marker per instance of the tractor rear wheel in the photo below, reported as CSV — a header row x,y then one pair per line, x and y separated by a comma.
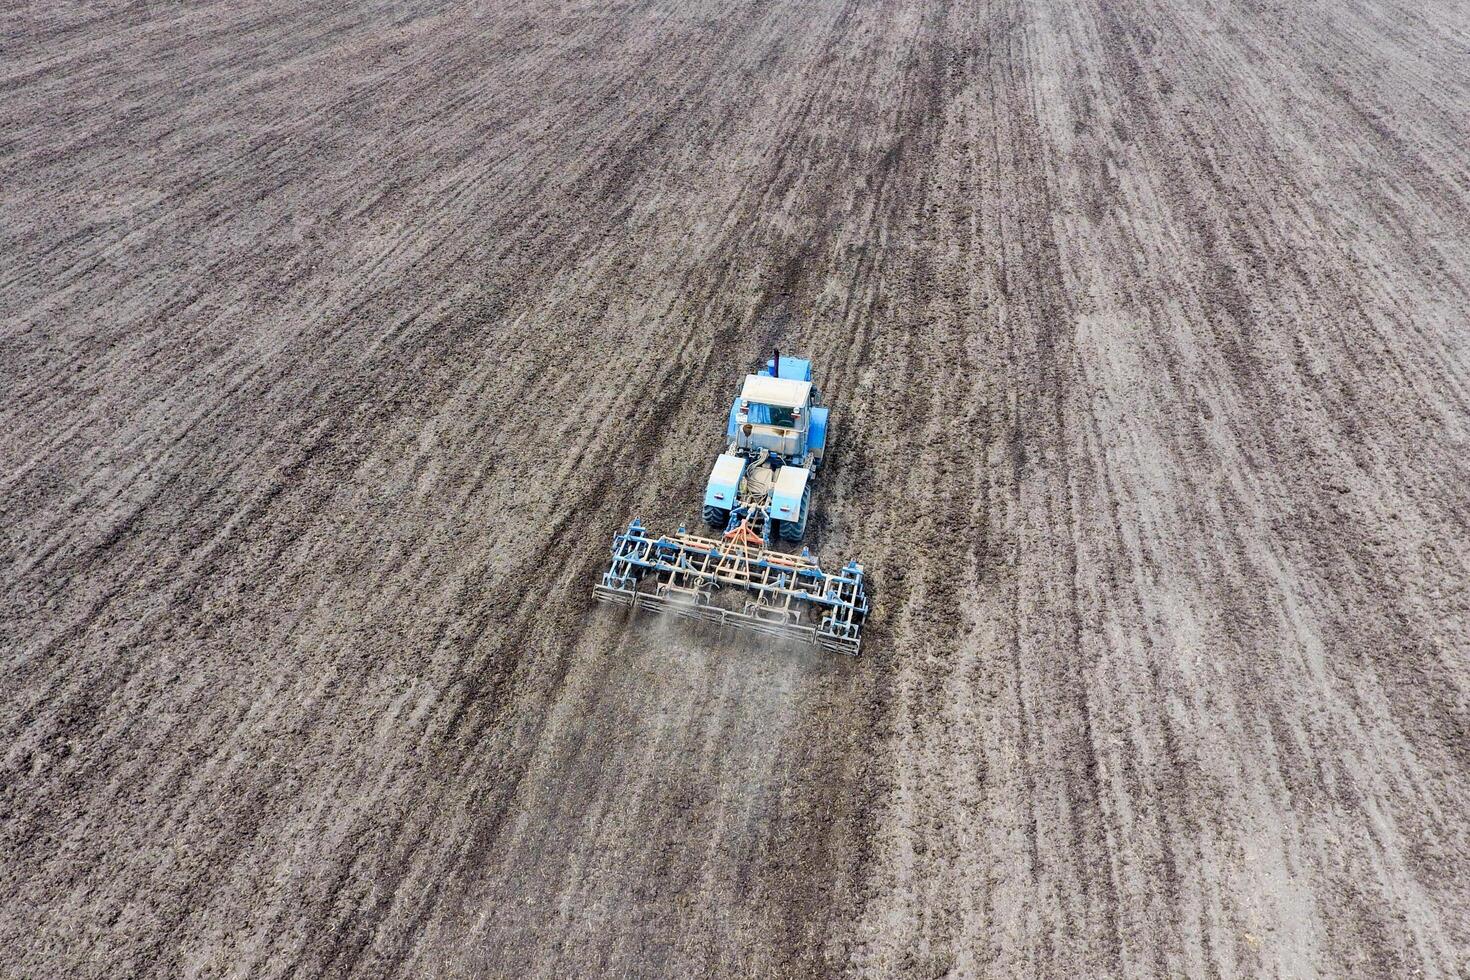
x,y
716,517
796,530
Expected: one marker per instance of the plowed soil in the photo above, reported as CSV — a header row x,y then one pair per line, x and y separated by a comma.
x,y
336,339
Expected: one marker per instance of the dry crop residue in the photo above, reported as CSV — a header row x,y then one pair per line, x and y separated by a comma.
x,y
337,338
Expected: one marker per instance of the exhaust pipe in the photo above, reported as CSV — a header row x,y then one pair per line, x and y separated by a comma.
x,y
776,364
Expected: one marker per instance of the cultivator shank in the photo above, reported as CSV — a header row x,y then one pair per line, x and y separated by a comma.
x,y
778,594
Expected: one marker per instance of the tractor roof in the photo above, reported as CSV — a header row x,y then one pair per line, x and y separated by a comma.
x,y
783,392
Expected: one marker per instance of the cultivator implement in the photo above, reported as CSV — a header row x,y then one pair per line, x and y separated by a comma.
x,y
779,595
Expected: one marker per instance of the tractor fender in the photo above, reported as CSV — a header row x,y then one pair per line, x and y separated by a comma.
x,y
816,437
786,497
724,482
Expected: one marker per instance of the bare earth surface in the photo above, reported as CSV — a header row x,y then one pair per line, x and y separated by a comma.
x,y
337,338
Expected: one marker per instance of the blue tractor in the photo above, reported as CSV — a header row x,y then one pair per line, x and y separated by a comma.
x,y
758,495
777,433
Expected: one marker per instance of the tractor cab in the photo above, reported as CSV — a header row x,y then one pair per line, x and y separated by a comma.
x,y
773,414
778,411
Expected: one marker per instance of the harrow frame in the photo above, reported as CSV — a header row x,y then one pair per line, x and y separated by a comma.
x,y
792,596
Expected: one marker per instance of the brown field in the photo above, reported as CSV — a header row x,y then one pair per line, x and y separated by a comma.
x,y
337,338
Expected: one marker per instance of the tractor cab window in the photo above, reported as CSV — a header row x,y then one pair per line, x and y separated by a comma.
x,y
772,415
